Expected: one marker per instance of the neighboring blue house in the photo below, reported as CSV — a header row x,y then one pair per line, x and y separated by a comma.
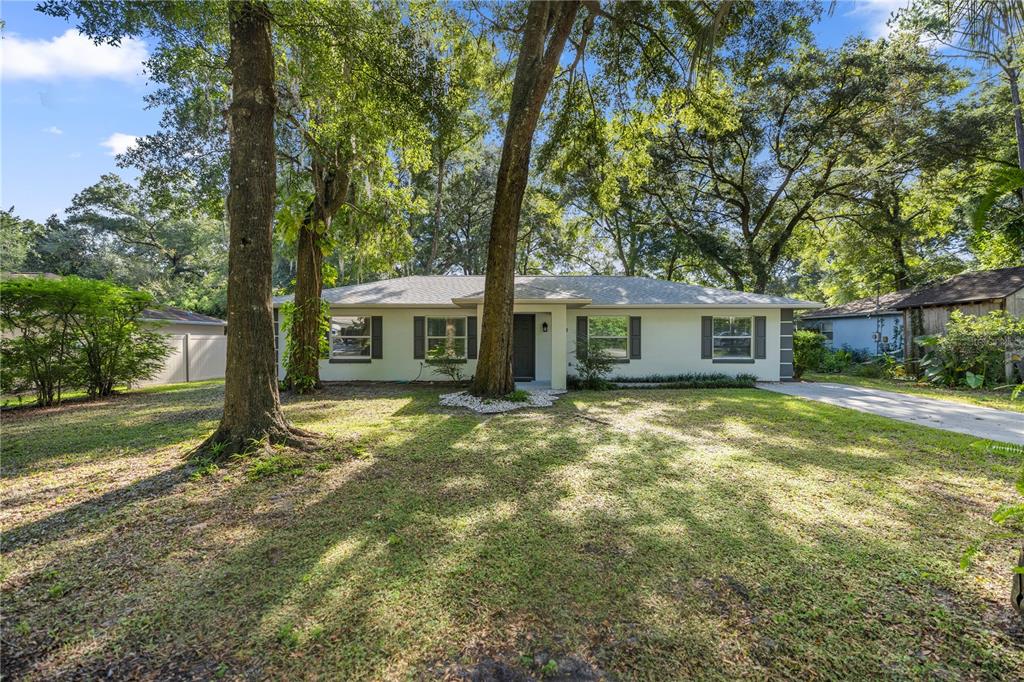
x,y
870,325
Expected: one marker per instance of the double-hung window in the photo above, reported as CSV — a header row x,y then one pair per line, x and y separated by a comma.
x,y
732,338
350,338
609,334
447,332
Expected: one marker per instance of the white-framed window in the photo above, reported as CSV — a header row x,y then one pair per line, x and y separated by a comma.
x,y
609,333
732,337
350,337
448,332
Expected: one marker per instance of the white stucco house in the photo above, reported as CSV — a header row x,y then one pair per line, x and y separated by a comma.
x,y
382,331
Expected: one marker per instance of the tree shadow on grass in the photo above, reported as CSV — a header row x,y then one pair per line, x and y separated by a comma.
x,y
454,540
147,422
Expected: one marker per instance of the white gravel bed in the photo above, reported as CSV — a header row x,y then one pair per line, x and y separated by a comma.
x,y
490,406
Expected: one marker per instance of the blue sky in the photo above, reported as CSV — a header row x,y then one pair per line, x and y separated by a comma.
x,y
66,106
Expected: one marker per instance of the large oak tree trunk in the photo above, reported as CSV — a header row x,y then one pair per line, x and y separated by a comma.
x,y
547,28
252,410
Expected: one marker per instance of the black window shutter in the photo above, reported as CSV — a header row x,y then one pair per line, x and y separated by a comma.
x,y
471,337
634,338
419,342
759,333
376,337
705,337
581,335
327,335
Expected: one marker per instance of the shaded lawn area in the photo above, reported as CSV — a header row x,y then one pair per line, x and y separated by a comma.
x,y
999,400
651,534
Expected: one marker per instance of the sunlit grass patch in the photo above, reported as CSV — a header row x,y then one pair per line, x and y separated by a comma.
x,y
656,535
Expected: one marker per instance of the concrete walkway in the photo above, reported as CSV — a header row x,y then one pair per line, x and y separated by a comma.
x,y
982,422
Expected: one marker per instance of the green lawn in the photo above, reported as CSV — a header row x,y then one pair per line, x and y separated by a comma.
x,y
986,398
652,534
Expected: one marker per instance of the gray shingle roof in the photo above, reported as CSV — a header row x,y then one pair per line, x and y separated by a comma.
x,y
169,314
599,290
872,305
969,286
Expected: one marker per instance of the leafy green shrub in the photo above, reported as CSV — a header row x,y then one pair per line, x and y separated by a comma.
x,y
593,367
113,348
518,396
873,369
835,362
973,349
808,351
445,362
74,333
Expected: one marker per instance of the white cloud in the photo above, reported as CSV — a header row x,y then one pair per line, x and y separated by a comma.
x,y
75,155
118,143
70,55
876,14
53,130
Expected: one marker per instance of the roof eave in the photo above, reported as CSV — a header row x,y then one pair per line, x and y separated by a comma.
x,y
218,323
959,301
820,315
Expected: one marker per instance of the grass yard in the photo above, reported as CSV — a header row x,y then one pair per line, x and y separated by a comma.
x,y
651,534
984,397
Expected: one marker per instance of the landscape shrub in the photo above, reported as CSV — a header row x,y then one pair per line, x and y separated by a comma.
x,y
73,333
593,368
444,361
972,351
518,396
691,380
835,362
112,347
872,369
808,351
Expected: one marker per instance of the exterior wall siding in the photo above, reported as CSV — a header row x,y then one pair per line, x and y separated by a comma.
x,y
857,332
934,318
671,341
1015,303
397,363
670,344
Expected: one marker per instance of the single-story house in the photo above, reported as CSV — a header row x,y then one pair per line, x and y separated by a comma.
x,y
869,325
384,330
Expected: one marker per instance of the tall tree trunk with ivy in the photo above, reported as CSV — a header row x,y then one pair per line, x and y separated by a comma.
x,y
544,36
302,362
252,409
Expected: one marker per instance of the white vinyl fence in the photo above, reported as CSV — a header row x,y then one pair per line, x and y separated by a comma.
x,y
193,357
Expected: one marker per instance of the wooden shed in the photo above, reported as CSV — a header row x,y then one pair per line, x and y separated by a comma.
x,y
927,310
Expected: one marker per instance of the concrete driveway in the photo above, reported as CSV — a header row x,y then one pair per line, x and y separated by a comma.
x,y
982,422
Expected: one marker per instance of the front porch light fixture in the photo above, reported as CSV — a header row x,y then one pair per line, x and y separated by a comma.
x,y
544,326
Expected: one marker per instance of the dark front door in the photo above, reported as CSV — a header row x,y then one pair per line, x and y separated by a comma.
x,y
524,352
